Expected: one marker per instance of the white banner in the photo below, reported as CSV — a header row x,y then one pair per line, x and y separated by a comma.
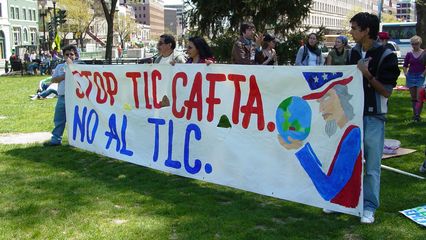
x,y
295,132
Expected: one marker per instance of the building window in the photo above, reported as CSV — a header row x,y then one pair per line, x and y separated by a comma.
x,y
1,12
24,13
33,36
25,35
17,36
12,13
17,13
34,15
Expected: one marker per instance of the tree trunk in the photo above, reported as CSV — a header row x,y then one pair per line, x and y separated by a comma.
x,y
421,21
109,16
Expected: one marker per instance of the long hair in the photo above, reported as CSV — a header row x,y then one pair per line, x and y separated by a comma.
x,y
203,48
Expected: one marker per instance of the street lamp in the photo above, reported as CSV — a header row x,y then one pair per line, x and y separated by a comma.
x,y
43,14
54,16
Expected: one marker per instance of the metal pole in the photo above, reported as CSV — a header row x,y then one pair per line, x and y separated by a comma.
x,y
380,9
44,29
401,172
54,17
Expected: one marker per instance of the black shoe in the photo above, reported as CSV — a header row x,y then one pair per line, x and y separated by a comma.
x,y
50,144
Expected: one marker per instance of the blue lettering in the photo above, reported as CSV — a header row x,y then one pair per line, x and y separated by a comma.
x,y
197,163
123,138
113,135
157,122
95,127
79,123
169,161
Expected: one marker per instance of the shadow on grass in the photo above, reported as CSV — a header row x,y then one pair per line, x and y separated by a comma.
x,y
78,180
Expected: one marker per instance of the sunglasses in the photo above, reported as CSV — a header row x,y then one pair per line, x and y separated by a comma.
x,y
417,43
69,54
189,47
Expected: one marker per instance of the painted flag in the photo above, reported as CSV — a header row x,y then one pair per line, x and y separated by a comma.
x,y
318,79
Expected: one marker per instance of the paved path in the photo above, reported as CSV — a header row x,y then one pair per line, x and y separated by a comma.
x,y
24,138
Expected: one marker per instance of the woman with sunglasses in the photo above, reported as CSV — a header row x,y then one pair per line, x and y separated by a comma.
x,y
414,70
199,51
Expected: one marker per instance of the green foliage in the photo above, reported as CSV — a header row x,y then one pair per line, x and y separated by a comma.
x,y
68,193
214,18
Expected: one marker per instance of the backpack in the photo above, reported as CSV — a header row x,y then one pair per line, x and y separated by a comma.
x,y
305,53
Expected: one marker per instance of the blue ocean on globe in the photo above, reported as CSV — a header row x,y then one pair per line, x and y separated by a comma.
x,y
293,119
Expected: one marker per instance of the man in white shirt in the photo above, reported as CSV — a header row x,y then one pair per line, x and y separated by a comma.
x,y
70,53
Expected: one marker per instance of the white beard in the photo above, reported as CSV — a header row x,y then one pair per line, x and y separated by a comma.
x,y
330,127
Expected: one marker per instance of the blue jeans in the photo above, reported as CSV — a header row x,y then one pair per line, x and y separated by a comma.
x,y
47,92
374,134
59,119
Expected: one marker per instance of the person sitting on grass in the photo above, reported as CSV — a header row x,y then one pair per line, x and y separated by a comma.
x,y
46,88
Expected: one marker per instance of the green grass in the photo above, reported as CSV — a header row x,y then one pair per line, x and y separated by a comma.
x,y
67,193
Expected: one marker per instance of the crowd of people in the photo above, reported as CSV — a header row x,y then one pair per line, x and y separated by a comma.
x,y
32,63
376,61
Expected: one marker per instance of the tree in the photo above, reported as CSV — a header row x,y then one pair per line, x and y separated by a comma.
x,y
109,11
78,21
421,20
388,18
220,20
124,25
213,18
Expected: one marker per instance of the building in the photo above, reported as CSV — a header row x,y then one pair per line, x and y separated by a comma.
x,y
180,26
5,47
23,18
170,20
149,12
334,14
406,10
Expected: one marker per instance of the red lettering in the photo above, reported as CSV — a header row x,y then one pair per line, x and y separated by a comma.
x,y
249,109
101,89
145,80
155,75
211,100
87,74
195,98
236,78
112,89
134,76
181,75
78,91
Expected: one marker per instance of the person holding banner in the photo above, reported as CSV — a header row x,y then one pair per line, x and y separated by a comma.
x,y
166,48
59,119
199,51
379,67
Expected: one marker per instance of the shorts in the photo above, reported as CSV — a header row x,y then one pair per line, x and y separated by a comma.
x,y
415,80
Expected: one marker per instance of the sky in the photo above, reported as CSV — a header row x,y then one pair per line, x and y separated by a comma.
x,y
169,2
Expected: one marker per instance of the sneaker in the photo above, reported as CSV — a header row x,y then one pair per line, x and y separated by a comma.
x,y
35,97
422,168
51,144
367,217
328,211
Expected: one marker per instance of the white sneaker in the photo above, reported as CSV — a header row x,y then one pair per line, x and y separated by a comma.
x,y
328,211
367,217
422,168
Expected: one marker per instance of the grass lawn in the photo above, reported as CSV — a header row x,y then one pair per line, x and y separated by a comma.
x,y
67,193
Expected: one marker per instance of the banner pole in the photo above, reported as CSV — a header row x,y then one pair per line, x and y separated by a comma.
x,y
401,172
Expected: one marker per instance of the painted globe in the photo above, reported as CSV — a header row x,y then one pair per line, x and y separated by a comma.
x,y
293,119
